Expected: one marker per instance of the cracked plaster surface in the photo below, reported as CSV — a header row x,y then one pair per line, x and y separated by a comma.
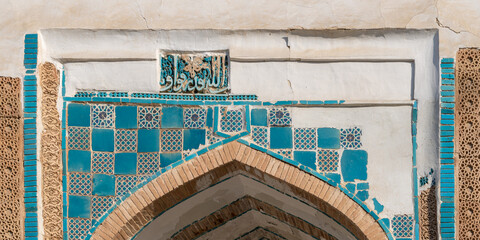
x,y
455,19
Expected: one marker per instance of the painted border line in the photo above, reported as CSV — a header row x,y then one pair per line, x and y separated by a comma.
x,y
447,131
30,136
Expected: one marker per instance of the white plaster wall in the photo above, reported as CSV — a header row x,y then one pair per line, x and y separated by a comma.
x,y
455,19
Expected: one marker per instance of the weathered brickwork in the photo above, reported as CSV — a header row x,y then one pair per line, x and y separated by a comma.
x,y
428,214
11,167
184,180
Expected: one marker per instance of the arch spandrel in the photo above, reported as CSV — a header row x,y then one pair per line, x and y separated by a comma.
x,y
178,183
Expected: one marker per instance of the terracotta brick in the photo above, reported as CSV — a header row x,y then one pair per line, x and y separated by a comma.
x,y
300,177
313,186
270,164
123,234
351,210
171,179
230,151
190,170
347,206
326,190
213,160
334,196
240,152
265,163
144,196
222,155
181,173
306,180
135,203
202,165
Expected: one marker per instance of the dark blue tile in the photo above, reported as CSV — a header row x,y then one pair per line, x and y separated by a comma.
x,y
280,137
103,185
148,140
259,117
354,165
79,161
306,158
79,206
328,138
169,158
126,117
172,117
193,138
78,115
103,140
125,163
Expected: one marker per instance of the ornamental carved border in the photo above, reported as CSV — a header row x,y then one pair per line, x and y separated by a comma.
x,y
50,152
467,144
11,160
428,214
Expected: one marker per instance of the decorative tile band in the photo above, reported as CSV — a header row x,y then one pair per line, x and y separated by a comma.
x,y
30,136
206,72
447,128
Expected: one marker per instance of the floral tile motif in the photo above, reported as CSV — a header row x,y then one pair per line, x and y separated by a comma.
x,y
78,228
171,140
78,138
100,205
102,116
279,117
305,138
123,184
103,162
148,163
288,153
327,160
194,117
80,184
125,140
232,120
149,117
402,226
350,138
260,136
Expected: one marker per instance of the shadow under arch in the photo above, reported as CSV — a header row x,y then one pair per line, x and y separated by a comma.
x,y
180,182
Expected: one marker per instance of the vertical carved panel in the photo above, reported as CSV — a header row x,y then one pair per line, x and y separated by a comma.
x,y
50,153
428,214
11,167
467,145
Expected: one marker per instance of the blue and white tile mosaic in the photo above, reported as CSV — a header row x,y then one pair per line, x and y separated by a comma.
x,y
305,138
100,205
327,160
171,140
102,116
79,138
350,138
80,184
279,117
232,120
149,117
148,163
125,140
78,228
102,162
194,117
260,136
402,226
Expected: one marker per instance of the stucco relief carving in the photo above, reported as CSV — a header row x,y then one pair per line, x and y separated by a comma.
x,y
428,214
50,153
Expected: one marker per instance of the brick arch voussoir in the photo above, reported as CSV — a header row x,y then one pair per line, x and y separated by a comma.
x,y
177,184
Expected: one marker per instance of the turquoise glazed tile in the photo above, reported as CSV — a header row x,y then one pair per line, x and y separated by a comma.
x,y
80,184
402,226
79,161
305,138
103,162
327,160
103,185
148,163
169,158
232,120
171,140
285,153
79,138
210,117
102,116
103,140
351,138
125,163
78,228
362,195
100,205
149,117
125,140
172,117
279,117
78,206
328,138
306,158
194,117
193,138
351,187
78,115
260,136
281,137
148,140
124,183
126,117
378,207
354,165
259,117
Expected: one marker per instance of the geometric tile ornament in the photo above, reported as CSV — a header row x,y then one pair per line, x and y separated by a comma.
x,y
327,160
305,138
279,117
102,116
402,226
350,138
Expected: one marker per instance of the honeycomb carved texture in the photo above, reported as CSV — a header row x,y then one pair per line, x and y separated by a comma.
x,y
11,167
428,214
50,153
467,144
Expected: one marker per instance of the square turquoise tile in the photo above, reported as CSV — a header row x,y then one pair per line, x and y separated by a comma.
x,y
79,161
125,163
306,158
328,138
103,185
354,165
126,117
103,140
259,117
79,206
281,138
172,117
193,138
148,140
169,158
78,115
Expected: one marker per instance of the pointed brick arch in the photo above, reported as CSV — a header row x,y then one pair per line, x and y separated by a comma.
x,y
182,181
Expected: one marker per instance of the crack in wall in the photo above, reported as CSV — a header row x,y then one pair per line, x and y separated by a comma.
x,y
142,14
